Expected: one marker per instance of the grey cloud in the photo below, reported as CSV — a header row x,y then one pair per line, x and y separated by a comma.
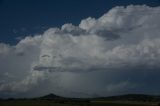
x,y
74,30
80,59
71,69
45,56
109,35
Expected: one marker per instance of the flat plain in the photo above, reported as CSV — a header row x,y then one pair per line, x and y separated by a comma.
x,y
53,103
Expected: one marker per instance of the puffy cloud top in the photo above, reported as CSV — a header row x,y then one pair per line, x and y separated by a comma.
x,y
114,54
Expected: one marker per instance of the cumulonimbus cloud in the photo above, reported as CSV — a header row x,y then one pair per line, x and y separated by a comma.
x,y
119,52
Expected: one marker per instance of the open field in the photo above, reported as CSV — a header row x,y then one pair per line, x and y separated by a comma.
x,y
52,103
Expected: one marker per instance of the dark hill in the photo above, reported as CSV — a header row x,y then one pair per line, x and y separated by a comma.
x,y
51,96
59,99
132,97
127,97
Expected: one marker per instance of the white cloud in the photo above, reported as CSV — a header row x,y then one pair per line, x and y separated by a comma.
x,y
100,56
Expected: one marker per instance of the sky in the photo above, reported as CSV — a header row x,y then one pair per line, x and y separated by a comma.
x,y
29,17
79,48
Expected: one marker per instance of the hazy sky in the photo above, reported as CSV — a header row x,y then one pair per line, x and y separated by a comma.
x,y
79,49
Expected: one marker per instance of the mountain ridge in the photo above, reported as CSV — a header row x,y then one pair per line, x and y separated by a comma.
x,y
125,97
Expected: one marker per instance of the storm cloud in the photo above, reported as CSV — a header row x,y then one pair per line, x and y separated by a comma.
x,y
115,54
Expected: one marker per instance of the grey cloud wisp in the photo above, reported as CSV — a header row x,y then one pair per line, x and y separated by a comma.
x,y
115,54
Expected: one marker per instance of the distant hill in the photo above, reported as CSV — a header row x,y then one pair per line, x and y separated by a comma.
x,y
127,97
51,96
132,97
60,99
